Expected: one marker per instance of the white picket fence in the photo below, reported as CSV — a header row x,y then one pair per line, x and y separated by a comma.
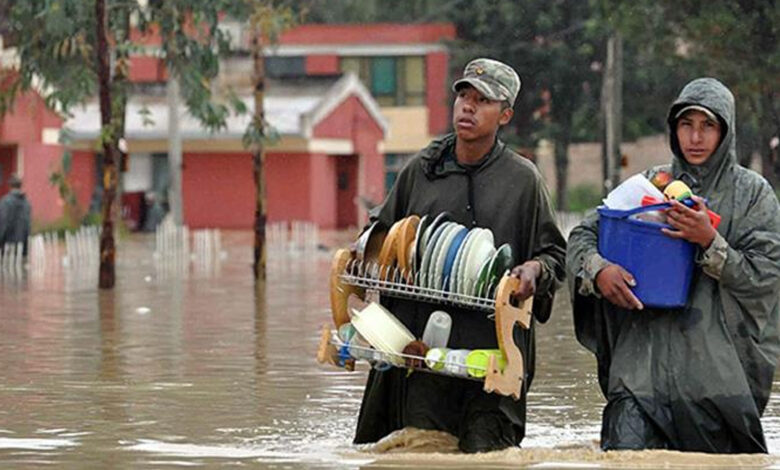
x,y
12,259
178,247
78,256
82,248
297,237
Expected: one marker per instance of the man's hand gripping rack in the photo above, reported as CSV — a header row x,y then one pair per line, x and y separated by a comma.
x,y
347,280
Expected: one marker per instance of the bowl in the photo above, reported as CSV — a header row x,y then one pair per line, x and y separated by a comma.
x,y
382,330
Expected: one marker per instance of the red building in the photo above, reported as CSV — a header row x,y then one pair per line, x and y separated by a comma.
x,y
341,139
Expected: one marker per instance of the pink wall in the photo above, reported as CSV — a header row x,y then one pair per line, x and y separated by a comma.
x,y
147,69
82,177
288,186
351,120
39,162
322,64
218,190
323,190
437,82
23,127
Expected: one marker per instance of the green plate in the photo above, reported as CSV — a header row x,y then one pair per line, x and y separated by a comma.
x,y
498,265
482,277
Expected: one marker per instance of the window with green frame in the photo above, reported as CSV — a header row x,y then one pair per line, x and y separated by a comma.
x,y
392,80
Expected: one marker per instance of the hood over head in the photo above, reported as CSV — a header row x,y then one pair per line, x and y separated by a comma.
x,y
712,95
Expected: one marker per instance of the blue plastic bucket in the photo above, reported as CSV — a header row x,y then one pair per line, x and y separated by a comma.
x,y
661,265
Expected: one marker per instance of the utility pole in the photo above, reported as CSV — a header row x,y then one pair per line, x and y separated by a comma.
x,y
612,112
174,151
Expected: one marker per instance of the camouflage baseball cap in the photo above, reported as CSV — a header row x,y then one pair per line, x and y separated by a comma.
x,y
495,80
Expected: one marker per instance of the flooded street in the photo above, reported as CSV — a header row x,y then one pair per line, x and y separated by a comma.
x,y
196,369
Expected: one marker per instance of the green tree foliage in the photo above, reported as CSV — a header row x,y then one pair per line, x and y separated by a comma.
x,y
734,41
65,46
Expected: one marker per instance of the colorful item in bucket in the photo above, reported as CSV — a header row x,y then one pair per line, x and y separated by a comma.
x,y
677,190
714,218
477,361
662,179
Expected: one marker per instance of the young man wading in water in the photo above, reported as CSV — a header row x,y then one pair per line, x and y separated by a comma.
x,y
480,182
696,378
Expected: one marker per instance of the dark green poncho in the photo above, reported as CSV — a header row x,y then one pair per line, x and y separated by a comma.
x,y
696,378
505,193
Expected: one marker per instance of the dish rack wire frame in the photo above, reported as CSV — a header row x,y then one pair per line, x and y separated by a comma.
x,y
378,358
345,283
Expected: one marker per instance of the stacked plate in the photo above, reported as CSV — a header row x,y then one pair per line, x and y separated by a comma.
x,y
440,254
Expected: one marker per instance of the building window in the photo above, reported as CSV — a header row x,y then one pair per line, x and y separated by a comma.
x,y
393,81
285,67
394,163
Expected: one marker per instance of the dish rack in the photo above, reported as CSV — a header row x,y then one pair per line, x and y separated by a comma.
x,y
350,277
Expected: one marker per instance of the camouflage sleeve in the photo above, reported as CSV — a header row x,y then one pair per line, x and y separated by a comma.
x,y
713,259
590,269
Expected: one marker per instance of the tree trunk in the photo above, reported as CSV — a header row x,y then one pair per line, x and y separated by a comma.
x,y
258,156
562,172
612,104
107,276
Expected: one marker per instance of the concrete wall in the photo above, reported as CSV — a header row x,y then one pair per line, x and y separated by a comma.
x,y
585,160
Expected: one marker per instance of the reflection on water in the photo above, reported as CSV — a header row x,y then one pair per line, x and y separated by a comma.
x,y
189,367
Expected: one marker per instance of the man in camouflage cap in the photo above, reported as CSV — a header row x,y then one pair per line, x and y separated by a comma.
x,y
495,80
480,182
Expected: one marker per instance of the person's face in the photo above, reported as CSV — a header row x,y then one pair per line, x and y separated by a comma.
x,y
474,116
698,135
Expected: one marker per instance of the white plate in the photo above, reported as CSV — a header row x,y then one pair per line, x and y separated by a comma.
x,y
441,259
462,257
481,249
459,259
445,238
428,253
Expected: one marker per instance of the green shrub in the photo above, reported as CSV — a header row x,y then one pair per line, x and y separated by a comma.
x,y
59,226
584,197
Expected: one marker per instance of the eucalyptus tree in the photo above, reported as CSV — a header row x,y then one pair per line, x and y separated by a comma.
x,y
74,50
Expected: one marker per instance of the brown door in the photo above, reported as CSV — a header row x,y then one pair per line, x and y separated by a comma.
x,y
346,191
7,166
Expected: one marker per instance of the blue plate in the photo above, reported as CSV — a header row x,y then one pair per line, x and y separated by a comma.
x,y
451,254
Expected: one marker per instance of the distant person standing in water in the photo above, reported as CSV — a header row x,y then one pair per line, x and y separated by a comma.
x,y
14,215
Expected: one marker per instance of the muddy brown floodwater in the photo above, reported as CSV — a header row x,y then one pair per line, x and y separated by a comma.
x,y
193,368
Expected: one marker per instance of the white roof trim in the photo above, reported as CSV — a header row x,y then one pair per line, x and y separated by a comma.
x,y
354,49
348,84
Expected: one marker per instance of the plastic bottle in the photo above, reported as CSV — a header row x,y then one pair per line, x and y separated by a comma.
x,y
437,330
362,349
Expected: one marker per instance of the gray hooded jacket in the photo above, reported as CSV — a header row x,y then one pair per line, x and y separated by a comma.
x,y
700,375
